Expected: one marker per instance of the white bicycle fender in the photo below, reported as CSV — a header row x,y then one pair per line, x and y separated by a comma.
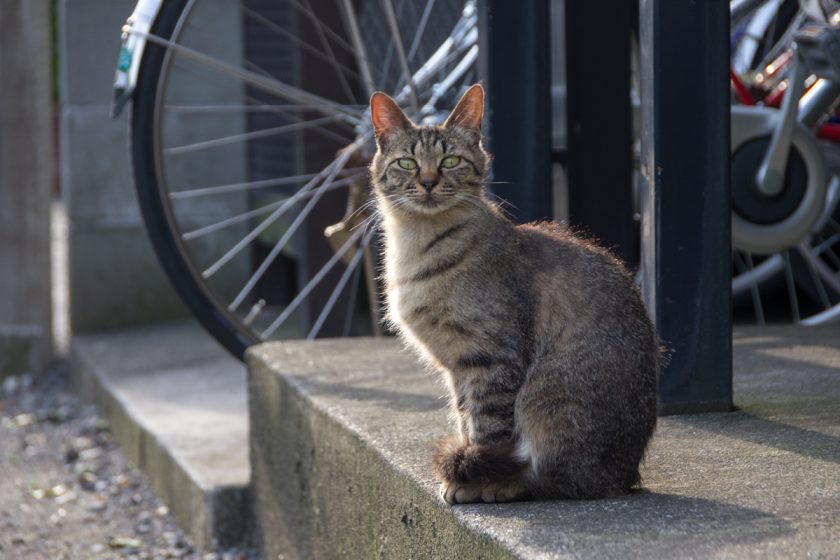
x,y
131,52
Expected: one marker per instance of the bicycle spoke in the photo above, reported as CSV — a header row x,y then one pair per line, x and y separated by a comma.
x,y
253,135
826,316
825,248
293,227
457,72
328,57
285,111
448,51
389,54
829,277
233,108
759,274
791,286
339,40
258,81
304,293
756,295
246,186
352,302
339,287
805,253
396,38
256,309
256,68
238,219
236,249
325,43
353,28
421,28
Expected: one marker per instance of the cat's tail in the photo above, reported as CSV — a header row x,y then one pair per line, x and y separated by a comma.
x,y
455,461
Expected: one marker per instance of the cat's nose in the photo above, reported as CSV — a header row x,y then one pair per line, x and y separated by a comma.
x,y
428,183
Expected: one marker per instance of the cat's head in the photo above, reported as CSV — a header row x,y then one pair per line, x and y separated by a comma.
x,y
428,169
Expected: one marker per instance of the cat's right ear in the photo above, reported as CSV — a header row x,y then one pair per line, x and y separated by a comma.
x,y
387,117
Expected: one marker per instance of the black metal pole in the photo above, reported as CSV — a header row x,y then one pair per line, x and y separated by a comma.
x,y
600,123
515,66
686,239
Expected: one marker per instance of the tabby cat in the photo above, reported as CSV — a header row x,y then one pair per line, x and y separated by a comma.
x,y
541,337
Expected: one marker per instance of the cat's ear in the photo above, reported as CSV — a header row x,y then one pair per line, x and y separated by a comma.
x,y
387,117
469,110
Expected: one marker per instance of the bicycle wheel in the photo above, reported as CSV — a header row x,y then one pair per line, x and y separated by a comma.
x,y
250,141
798,281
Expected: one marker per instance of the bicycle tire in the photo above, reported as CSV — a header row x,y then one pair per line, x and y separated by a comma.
x,y
209,312
169,243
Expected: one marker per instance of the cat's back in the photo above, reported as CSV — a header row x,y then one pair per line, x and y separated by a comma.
x,y
582,288
559,255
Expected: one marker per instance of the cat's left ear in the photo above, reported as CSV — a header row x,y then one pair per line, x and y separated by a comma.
x,y
469,110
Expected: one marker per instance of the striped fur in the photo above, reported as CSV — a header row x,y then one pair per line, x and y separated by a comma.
x,y
541,337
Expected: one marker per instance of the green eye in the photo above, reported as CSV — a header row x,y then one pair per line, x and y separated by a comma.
x,y
451,161
407,163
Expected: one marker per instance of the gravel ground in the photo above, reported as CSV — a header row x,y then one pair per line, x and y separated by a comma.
x,y
66,489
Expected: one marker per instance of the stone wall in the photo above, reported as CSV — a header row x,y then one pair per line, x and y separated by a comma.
x,y
115,278
26,180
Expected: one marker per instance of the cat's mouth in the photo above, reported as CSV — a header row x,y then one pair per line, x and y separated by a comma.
x,y
431,202
427,204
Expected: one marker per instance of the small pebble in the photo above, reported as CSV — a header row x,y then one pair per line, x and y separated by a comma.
x,y
23,420
71,455
125,542
90,454
66,498
98,505
10,386
59,415
87,480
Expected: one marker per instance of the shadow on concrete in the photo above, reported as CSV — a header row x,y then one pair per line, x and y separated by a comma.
x,y
657,520
770,433
787,387
387,398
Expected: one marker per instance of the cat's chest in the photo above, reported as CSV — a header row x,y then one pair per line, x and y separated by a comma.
x,y
410,299
422,306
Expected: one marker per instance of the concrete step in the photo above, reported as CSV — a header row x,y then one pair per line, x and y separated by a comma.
x,y
341,434
176,402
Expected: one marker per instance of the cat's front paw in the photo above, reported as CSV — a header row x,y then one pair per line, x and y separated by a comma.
x,y
459,493
504,492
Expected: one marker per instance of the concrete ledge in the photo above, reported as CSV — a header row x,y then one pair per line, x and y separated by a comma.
x,y
337,455
342,432
176,403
